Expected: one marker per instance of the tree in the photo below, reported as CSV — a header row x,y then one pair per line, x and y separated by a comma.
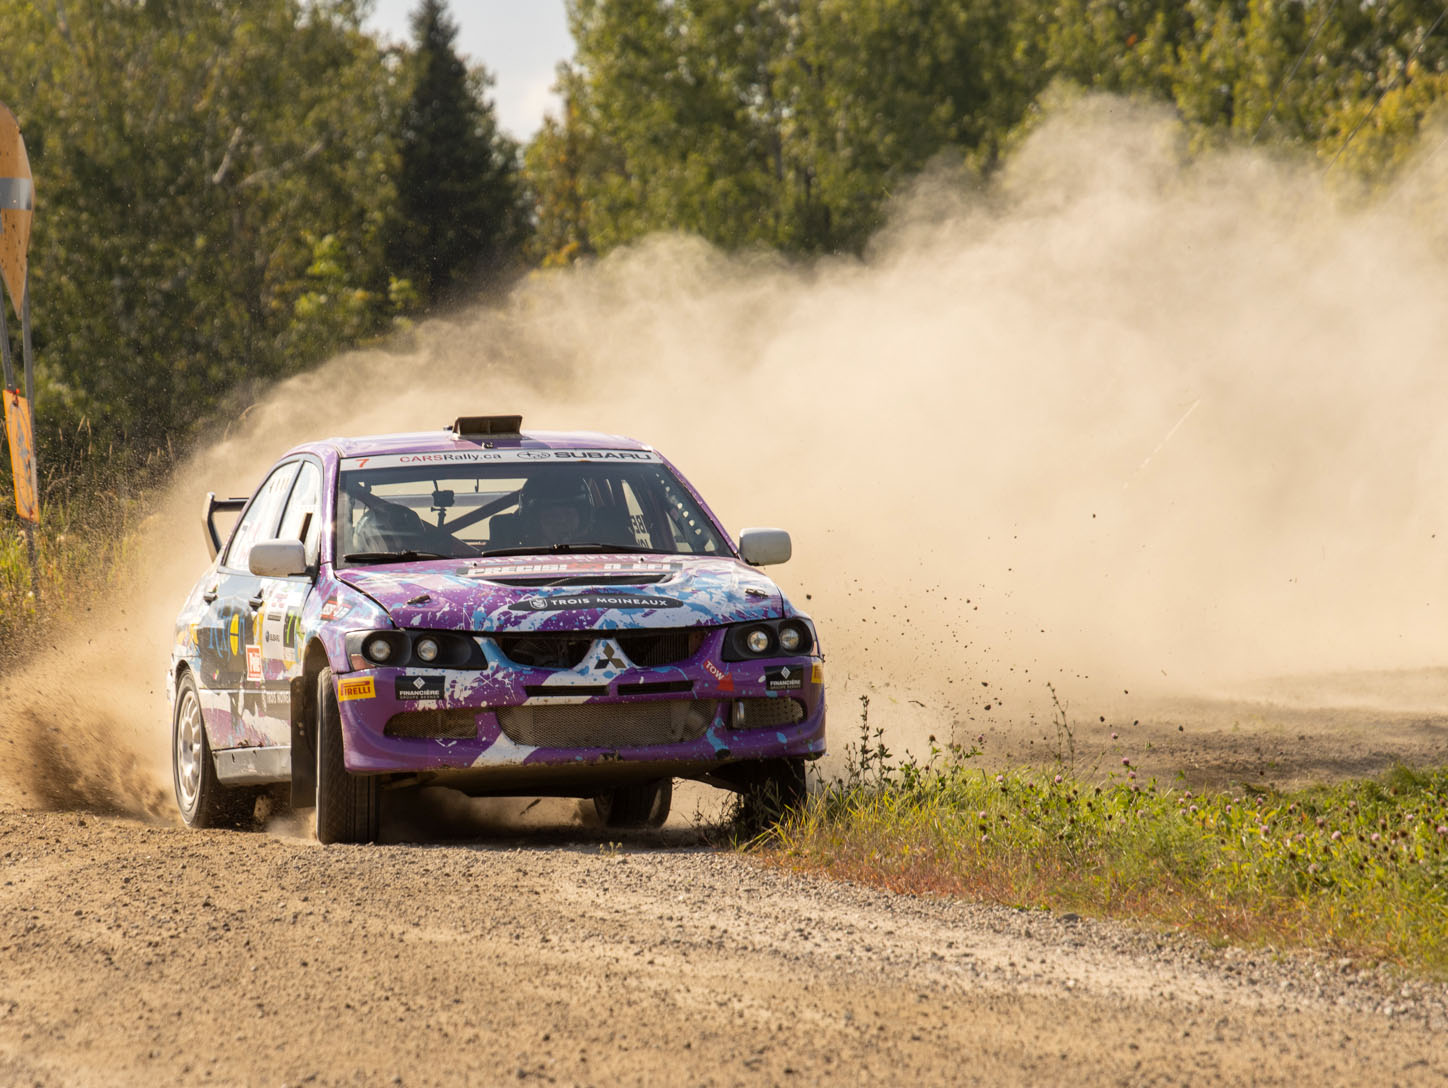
x,y
784,123
195,162
459,200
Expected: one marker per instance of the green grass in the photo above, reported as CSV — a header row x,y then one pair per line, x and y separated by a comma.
x,y
1355,868
78,548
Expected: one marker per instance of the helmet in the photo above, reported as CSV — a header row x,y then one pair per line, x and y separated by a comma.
x,y
547,492
547,488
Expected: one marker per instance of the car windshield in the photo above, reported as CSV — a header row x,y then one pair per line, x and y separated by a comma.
x,y
395,509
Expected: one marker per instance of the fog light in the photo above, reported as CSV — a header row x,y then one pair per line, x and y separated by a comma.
x,y
738,715
757,640
426,649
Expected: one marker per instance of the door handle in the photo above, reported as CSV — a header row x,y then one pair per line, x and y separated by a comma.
x,y
209,595
257,601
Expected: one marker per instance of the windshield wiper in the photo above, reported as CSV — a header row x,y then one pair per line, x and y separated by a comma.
x,y
392,557
559,549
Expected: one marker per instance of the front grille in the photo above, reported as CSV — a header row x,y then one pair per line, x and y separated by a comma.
x,y
607,725
545,651
567,649
768,713
649,649
450,724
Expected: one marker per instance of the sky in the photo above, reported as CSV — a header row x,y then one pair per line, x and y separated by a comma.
x,y
519,41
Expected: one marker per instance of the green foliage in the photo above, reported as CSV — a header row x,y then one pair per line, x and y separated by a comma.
x,y
783,124
460,208
790,123
1358,867
228,193
80,546
190,160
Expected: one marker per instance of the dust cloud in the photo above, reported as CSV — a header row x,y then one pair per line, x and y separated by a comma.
x,y
1126,419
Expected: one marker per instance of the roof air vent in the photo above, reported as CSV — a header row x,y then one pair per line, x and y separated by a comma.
x,y
486,426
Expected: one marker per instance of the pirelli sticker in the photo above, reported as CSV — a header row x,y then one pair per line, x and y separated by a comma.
x,y
356,687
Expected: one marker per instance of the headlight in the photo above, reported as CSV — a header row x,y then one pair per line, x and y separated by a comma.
x,y
768,638
378,649
400,649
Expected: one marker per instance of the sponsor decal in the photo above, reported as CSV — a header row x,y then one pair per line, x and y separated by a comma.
x,y
593,600
253,662
604,455
356,687
292,628
334,610
410,689
726,679
508,570
816,673
493,456
783,677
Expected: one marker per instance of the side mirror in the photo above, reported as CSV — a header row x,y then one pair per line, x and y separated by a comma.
x,y
761,547
278,558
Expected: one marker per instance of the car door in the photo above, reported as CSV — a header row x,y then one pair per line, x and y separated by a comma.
x,y
228,633
279,620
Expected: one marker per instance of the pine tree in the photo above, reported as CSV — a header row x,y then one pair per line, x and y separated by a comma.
x,y
459,208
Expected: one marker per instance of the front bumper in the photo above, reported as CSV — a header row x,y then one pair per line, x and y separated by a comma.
x,y
486,703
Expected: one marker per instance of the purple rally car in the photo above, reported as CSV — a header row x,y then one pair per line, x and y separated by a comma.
x,y
491,610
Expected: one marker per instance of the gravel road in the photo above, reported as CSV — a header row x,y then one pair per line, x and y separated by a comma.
x,y
134,953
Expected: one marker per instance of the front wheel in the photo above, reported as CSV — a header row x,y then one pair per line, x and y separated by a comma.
x,y
772,789
202,799
346,802
646,805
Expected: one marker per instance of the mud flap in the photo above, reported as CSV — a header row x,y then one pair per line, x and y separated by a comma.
x,y
304,752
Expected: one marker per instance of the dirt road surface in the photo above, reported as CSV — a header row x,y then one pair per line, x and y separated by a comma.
x,y
478,944
132,953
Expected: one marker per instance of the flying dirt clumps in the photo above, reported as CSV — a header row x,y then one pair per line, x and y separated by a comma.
x,y
1126,418
63,755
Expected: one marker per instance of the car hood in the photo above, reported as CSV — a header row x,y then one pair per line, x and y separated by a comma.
x,y
569,593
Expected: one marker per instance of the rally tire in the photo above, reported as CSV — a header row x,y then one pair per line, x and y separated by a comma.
x,y
775,788
645,805
202,799
346,803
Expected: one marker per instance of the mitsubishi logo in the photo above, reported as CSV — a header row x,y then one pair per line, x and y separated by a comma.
x,y
608,658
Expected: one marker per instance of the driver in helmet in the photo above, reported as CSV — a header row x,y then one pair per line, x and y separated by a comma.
x,y
555,509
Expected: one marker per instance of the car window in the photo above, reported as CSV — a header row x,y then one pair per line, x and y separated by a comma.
x,y
261,516
470,509
301,519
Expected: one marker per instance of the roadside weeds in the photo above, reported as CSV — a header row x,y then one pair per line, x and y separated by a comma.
x,y
1356,868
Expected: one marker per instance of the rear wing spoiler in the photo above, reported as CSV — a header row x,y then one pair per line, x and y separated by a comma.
x,y
208,521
